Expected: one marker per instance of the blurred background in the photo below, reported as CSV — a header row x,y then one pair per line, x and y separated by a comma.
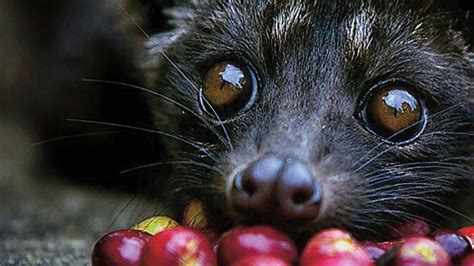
x,y
60,181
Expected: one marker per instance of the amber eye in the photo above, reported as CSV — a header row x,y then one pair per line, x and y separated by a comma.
x,y
395,114
229,89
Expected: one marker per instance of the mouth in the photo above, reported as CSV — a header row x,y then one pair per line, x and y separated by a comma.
x,y
215,220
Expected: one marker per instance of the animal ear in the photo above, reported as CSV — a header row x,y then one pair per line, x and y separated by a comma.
x,y
153,26
161,43
178,19
463,22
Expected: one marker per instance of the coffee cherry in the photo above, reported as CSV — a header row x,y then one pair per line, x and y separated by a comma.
x,y
374,251
258,240
178,246
468,232
120,248
411,229
422,251
261,260
156,224
334,247
468,261
453,243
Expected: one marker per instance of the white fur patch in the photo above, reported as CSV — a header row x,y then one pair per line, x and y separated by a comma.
x,y
359,33
292,17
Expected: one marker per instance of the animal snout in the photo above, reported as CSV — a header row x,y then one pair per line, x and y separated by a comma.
x,y
281,186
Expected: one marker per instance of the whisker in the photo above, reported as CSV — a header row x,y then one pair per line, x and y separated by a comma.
x,y
186,141
438,168
74,136
375,158
182,106
159,210
172,163
138,204
408,186
409,166
406,216
449,133
396,197
366,228
469,219
121,211
138,216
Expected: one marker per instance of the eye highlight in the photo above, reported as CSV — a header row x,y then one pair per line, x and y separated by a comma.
x,y
394,113
229,89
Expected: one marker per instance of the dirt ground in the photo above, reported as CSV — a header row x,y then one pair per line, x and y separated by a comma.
x,y
48,221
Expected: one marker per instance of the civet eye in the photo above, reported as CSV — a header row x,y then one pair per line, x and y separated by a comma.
x,y
394,113
228,89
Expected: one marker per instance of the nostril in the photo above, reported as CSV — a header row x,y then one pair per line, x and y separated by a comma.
x,y
301,196
249,186
299,193
246,185
254,188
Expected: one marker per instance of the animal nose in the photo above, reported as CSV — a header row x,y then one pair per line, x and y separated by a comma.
x,y
275,185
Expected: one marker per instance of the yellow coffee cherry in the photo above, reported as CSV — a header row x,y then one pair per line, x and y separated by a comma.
x,y
156,224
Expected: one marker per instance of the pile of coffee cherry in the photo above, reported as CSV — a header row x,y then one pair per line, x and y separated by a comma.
x,y
160,240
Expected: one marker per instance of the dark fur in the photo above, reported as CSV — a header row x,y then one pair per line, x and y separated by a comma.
x,y
311,81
